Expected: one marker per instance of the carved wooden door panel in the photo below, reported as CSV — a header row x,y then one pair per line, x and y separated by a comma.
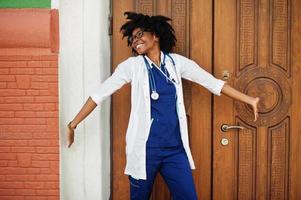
x,y
258,43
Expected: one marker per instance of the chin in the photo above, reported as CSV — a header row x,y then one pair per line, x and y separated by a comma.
x,y
140,52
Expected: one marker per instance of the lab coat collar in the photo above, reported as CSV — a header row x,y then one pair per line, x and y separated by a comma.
x,y
161,57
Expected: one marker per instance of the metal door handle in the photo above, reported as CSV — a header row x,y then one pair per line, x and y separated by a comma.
x,y
226,127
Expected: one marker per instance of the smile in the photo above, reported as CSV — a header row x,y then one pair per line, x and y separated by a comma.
x,y
139,46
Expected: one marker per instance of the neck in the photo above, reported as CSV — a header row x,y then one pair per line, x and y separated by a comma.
x,y
154,55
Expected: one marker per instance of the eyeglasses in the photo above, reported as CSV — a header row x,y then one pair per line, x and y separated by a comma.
x,y
137,36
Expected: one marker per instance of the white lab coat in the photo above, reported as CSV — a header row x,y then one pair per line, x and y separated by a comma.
x,y
134,70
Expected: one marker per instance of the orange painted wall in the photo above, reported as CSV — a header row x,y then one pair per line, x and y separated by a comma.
x,y
29,136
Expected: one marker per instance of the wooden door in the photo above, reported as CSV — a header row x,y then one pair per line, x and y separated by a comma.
x,y
258,43
233,36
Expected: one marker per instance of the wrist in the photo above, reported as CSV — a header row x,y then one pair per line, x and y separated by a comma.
x,y
71,126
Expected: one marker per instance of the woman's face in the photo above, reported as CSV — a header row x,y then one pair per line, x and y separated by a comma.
x,y
143,41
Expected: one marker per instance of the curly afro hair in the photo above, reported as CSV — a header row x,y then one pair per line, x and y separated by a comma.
x,y
155,24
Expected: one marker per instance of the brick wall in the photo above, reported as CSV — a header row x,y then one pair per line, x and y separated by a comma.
x,y
29,144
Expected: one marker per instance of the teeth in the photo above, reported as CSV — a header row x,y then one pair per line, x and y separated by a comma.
x,y
139,45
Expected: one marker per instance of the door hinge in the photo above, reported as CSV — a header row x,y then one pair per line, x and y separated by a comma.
x,y
110,31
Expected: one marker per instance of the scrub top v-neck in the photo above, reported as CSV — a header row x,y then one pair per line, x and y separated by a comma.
x,y
165,130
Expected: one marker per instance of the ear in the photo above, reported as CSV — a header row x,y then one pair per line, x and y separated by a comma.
x,y
156,38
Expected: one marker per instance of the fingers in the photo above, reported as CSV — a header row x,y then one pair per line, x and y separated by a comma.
x,y
255,116
255,107
70,138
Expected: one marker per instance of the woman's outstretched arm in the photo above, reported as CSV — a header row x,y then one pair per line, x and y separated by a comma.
x,y
87,108
233,93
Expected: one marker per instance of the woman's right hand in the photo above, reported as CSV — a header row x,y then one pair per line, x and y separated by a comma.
x,y
70,135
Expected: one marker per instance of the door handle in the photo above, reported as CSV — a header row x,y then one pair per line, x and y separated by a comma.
x,y
226,127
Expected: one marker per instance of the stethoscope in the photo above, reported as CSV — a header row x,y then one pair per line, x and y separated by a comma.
x,y
155,94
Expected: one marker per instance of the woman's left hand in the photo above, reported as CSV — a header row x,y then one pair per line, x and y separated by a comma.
x,y
254,105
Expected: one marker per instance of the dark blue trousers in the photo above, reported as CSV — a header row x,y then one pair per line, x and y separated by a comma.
x,y
173,165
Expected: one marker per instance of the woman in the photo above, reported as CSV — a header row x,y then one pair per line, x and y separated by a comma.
x,y
157,136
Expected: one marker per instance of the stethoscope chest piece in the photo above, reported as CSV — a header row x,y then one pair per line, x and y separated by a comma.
x,y
155,95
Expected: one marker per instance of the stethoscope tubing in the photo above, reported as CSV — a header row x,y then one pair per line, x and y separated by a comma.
x,y
153,88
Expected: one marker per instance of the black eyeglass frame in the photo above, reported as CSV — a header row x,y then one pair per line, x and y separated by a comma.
x,y
137,36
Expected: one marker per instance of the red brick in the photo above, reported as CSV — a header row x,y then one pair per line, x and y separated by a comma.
x,y
45,78
45,135
13,64
4,149
34,64
54,165
33,106
20,177
23,128
47,177
13,142
33,171
3,163
3,85
50,106
12,198
39,85
12,92
53,197
53,88
36,198
47,192
24,159
53,122
47,149
19,99
40,164
23,81
4,70
45,157
12,85
12,163
46,99
32,185
10,107
13,121
6,114
49,71
2,177
53,64
23,149
7,192
22,71
52,185
25,114
51,57
5,134
47,114
12,170
43,143
12,185
48,93
34,121
25,192
47,171
8,156
6,78
32,92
